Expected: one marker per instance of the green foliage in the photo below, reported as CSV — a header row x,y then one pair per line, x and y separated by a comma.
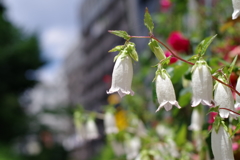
x,y
181,135
119,33
19,56
117,48
148,21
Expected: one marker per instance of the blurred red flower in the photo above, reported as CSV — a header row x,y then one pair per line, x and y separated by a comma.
x,y
178,42
165,5
173,59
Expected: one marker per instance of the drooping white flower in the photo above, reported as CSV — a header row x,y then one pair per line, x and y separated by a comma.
x,y
221,145
110,123
132,147
196,120
202,85
122,76
236,7
224,99
91,130
165,91
237,105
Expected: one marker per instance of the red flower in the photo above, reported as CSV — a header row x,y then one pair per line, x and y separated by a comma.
x,y
165,5
178,42
173,59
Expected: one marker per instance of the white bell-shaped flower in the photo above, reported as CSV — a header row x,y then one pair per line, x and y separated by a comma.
x,y
197,120
236,7
202,84
122,76
110,123
237,105
165,91
132,147
91,130
224,99
221,145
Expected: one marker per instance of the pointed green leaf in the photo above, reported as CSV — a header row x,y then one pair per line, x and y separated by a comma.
x,y
134,55
148,21
232,64
213,109
120,33
117,48
202,47
237,129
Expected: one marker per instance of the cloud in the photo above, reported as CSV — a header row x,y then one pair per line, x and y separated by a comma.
x,y
56,41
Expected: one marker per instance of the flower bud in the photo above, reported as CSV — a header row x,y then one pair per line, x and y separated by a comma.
x,y
202,85
156,49
221,145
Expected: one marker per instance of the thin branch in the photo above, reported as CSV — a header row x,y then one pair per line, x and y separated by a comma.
x,y
230,110
175,55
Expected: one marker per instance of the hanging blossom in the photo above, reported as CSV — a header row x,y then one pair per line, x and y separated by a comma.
x,y
110,123
221,145
123,71
165,91
197,120
237,105
224,99
91,130
236,7
202,85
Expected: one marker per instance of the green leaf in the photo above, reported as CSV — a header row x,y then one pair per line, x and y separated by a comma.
x,y
237,129
120,33
117,48
202,47
216,123
181,135
178,72
232,64
148,21
185,97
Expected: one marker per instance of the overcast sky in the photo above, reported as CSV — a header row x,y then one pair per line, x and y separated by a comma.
x,y
55,21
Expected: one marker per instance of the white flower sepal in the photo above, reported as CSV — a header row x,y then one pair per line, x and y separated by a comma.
x,y
224,99
165,91
221,145
110,123
122,76
236,7
202,84
91,130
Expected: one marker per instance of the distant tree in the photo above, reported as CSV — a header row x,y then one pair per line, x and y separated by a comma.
x,y
19,54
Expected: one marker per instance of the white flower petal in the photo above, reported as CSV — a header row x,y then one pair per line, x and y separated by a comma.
x,y
223,97
202,86
165,93
236,7
122,76
110,123
196,120
221,145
